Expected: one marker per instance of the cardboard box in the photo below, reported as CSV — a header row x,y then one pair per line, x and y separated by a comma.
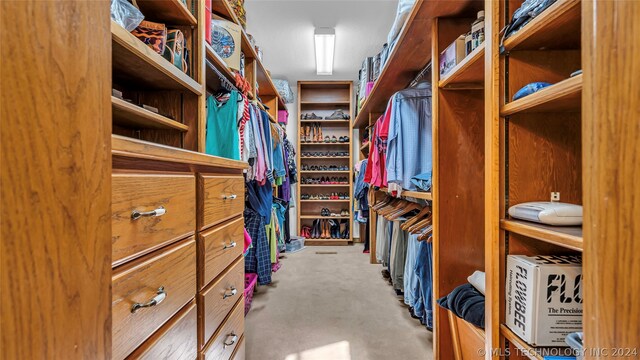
x,y
226,40
452,55
544,298
207,20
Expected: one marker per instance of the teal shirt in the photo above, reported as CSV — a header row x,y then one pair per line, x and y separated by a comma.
x,y
223,138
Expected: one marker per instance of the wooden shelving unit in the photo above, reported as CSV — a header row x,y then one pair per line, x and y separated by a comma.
x,y
468,73
563,96
127,114
168,11
323,98
569,237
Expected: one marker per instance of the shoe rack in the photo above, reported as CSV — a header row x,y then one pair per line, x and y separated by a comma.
x,y
325,161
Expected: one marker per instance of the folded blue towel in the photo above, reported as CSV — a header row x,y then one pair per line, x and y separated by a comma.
x,y
530,89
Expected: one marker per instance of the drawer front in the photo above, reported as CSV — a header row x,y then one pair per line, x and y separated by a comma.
x,y
177,340
145,193
218,299
218,249
227,338
174,269
219,198
240,353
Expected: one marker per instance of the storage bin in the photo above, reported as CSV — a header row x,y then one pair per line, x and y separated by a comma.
x,y
296,244
250,281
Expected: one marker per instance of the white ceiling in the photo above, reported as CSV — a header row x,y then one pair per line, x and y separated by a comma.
x,y
284,30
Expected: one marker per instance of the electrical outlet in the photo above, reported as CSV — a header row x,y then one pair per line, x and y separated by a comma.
x,y
555,196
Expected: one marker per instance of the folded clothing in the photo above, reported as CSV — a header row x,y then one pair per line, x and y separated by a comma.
x,y
422,181
477,279
467,303
529,89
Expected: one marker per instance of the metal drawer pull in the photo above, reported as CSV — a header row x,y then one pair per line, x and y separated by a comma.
x,y
233,292
161,295
232,245
135,214
233,337
230,197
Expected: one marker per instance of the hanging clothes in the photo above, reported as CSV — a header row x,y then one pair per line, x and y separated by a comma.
x,y
258,259
222,134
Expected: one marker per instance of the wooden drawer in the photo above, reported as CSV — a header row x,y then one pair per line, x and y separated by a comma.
x,y
240,353
177,340
173,268
233,327
219,198
217,249
216,301
147,192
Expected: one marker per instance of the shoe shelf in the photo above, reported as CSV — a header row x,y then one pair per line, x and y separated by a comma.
x,y
569,237
557,27
129,115
168,11
322,99
563,96
137,65
323,217
469,73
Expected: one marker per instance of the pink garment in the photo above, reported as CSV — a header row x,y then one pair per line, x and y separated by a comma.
x,y
283,117
368,89
247,241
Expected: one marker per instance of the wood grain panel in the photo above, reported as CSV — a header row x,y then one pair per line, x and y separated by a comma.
x,y
550,66
215,252
234,325
217,300
216,201
470,338
545,156
611,109
173,268
177,340
240,353
146,192
55,113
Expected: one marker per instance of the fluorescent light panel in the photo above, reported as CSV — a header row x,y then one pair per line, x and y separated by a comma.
x,y
325,42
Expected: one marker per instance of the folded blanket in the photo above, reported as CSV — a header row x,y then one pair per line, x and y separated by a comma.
x,y
467,303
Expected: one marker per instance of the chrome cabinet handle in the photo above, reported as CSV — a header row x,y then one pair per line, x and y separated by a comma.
x,y
156,300
233,291
230,197
232,245
233,340
135,214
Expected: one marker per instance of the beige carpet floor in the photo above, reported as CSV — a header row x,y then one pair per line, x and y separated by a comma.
x,y
332,307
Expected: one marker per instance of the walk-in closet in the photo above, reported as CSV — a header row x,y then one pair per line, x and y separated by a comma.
x,y
320,180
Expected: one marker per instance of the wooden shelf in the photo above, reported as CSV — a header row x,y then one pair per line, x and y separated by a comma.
x,y
566,236
558,27
323,217
526,350
326,144
137,65
332,242
347,200
325,172
130,115
365,147
173,12
336,102
469,73
411,53
219,64
122,146
417,194
324,157
332,122
563,96
325,185
263,79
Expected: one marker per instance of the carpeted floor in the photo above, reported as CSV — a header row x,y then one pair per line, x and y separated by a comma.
x,y
332,306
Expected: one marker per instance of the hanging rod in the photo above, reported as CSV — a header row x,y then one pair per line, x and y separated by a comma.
x,y
228,85
421,74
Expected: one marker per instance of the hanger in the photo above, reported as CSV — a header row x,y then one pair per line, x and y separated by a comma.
x,y
382,203
424,212
394,205
421,224
226,84
407,208
426,234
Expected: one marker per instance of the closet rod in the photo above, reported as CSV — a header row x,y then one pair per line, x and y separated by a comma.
x,y
223,79
421,74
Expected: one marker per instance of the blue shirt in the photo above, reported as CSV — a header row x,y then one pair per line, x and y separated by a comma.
x,y
410,141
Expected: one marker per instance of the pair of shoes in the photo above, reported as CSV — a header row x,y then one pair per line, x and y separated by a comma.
x,y
344,234
344,212
325,212
306,232
343,139
311,116
338,115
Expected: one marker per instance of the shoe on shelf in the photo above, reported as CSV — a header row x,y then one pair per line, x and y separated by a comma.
x,y
334,139
311,116
344,212
338,115
327,139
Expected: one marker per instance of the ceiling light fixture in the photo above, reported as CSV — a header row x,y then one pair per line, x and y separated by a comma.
x,y
325,42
